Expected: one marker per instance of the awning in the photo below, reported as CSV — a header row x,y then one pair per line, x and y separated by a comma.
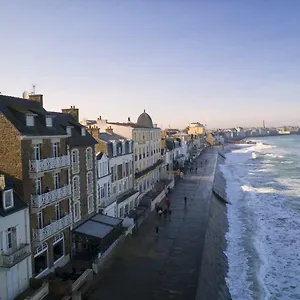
x,y
99,226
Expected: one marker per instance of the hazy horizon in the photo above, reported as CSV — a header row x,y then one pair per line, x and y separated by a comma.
x,y
222,63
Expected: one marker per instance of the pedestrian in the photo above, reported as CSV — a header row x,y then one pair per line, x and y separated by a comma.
x,y
157,209
168,203
160,213
170,213
196,169
185,200
156,229
165,213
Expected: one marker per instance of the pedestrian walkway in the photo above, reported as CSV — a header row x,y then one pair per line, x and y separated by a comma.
x,y
151,267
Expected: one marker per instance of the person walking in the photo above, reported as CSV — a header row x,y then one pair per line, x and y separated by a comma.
x,y
196,169
170,214
185,200
160,212
168,202
157,209
156,229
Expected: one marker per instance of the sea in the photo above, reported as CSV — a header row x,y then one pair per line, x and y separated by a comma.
x,y
263,239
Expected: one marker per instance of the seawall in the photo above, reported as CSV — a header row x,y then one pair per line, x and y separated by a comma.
x,y
214,266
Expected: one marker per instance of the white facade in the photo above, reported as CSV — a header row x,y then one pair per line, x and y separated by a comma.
x,y
15,258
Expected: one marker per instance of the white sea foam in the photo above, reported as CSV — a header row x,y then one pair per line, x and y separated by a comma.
x,y
260,214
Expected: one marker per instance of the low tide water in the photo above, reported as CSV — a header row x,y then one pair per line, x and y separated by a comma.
x,y
263,244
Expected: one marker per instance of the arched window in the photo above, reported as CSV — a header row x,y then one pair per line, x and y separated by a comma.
x,y
89,158
75,161
76,187
89,182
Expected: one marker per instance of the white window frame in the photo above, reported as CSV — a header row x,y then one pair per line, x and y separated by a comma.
x,y
38,251
114,148
75,164
55,150
89,185
89,158
78,218
90,203
123,147
9,233
130,146
37,151
49,122
30,120
56,181
40,213
59,237
11,194
38,186
83,131
57,211
69,131
76,192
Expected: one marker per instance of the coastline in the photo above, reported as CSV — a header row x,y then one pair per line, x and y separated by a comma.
x,y
214,266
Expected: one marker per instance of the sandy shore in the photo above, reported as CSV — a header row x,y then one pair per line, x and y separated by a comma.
x,y
214,266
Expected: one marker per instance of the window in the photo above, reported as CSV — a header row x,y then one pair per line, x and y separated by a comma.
x,y
89,158
69,131
38,186
77,214
9,239
48,122
102,192
58,247
127,169
114,189
55,149
56,181
89,182
40,219
114,148
123,147
75,161
120,172
76,187
8,199
90,203
121,212
57,211
130,146
37,151
112,174
30,120
83,131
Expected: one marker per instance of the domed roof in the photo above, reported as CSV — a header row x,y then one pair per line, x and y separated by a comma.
x,y
144,120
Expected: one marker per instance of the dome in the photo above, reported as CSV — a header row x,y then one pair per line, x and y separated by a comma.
x,y
144,120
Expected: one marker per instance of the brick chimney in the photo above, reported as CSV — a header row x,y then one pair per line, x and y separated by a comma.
x,y
94,132
74,112
36,97
109,130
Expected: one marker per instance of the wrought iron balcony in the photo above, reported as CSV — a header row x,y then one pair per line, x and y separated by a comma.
x,y
38,201
54,227
48,164
9,260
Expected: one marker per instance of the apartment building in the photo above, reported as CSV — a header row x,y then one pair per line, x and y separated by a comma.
x,y
15,255
147,150
116,193
34,156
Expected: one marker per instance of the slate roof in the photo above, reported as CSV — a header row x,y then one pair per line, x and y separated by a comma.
x,y
18,203
15,109
77,139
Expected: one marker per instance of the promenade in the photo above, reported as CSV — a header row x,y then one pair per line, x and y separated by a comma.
x,y
150,267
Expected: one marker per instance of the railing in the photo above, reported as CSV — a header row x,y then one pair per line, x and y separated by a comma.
x,y
57,225
107,201
47,164
38,201
9,260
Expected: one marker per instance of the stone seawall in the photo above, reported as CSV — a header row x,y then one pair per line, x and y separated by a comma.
x,y
214,266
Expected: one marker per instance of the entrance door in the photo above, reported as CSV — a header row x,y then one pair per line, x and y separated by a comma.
x,y
12,282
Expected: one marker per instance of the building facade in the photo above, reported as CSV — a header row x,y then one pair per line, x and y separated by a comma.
x,y
15,256
196,128
38,164
146,137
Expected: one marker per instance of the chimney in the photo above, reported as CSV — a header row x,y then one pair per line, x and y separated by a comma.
x,y
94,132
74,112
34,97
128,120
109,130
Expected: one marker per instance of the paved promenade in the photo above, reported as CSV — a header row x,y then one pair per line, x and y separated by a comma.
x,y
150,267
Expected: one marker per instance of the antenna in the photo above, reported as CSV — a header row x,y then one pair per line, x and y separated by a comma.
x,y
33,89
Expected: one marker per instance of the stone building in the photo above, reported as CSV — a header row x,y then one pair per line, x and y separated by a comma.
x,y
35,158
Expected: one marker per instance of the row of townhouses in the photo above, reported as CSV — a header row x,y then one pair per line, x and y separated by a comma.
x,y
66,188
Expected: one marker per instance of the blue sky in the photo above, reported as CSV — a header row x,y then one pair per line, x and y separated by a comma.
x,y
221,62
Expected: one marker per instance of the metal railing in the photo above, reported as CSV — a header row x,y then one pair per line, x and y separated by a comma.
x,y
38,201
9,260
48,164
41,234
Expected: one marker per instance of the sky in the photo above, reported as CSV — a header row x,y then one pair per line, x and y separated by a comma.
x,y
224,63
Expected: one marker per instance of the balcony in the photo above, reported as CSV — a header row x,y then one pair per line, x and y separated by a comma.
x,y
147,170
41,234
104,202
38,201
9,260
48,164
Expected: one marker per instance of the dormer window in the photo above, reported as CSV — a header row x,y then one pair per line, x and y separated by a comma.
x,y
130,146
8,199
83,131
49,122
114,145
30,120
69,131
123,147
